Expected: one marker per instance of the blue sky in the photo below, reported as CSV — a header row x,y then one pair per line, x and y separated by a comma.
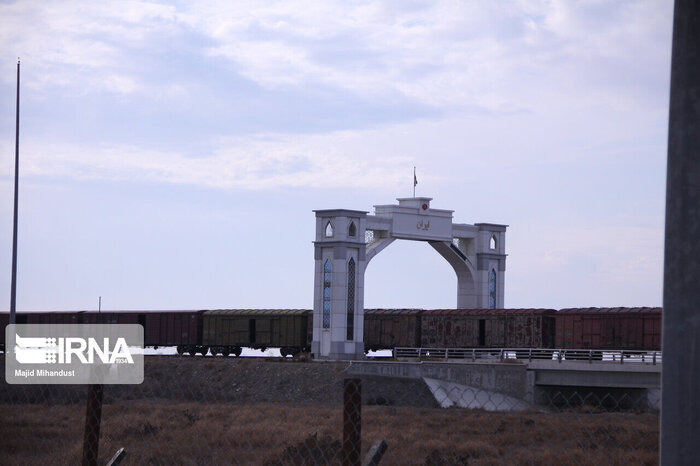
x,y
172,152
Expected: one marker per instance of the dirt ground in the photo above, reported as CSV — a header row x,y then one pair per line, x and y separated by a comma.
x,y
201,411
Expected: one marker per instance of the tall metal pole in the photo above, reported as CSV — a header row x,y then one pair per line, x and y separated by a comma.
x,y
680,402
13,290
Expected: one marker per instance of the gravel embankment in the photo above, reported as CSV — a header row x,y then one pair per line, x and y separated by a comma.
x,y
234,380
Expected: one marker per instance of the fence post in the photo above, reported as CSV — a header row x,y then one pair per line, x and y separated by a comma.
x,y
93,416
352,422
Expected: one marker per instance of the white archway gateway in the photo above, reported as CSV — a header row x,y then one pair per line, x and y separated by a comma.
x,y
347,240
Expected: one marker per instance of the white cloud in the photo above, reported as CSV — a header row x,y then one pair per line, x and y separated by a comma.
x,y
254,163
452,54
82,44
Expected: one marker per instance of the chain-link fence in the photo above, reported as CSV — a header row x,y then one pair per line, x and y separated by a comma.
x,y
271,411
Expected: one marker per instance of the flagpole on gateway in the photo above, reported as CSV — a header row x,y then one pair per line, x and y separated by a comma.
x,y
415,182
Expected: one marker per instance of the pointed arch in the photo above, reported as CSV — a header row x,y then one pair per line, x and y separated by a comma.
x,y
328,231
327,272
493,242
492,289
351,300
352,229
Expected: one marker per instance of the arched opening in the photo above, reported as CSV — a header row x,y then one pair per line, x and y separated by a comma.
x,y
409,274
327,269
352,230
493,242
492,289
351,300
329,230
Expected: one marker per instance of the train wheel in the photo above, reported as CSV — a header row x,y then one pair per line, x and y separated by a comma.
x,y
237,351
225,352
214,351
180,350
203,350
283,352
192,350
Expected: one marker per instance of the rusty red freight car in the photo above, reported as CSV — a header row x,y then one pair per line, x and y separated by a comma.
x,y
160,328
389,328
634,328
488,328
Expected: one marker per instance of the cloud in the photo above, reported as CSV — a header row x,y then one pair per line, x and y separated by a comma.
x,y
265,161
79,45
501,57
440,53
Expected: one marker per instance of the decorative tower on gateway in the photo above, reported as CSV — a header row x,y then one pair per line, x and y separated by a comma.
x,y
346,240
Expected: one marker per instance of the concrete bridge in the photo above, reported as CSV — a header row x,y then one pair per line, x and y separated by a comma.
x,y
514,385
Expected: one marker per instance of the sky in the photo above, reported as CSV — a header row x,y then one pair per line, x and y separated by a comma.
x,y
172,153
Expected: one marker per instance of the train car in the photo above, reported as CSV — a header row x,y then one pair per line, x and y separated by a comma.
x,y
488,328
633,328
389,328
45,317
182,329
227,331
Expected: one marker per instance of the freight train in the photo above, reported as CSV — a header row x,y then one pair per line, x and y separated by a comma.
x,y
226,332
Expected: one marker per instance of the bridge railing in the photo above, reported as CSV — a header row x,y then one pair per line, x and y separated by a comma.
x,y
529,354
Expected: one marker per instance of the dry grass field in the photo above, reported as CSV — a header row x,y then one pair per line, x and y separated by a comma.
x,y
202,434
202,412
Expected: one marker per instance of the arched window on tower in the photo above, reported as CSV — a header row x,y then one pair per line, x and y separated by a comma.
x,y
327,269
351,299
492,242
492,289
329,230
352,230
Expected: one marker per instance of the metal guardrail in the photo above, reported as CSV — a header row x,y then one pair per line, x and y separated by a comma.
x,y
529,354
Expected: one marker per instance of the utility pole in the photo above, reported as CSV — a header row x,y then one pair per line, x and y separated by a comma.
x,y
13,289
680,384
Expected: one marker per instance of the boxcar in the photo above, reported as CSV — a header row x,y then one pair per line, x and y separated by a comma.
x,y
488,328
227,331
389,328
634,328
173,328
182,329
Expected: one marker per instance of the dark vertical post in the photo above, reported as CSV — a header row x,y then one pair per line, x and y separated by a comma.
x,y
13,286
93,416
352,422
680,403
